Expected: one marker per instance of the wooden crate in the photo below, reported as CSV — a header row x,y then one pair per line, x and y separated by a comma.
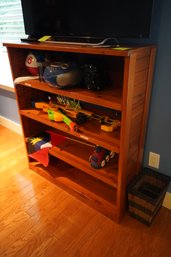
x,y
146,193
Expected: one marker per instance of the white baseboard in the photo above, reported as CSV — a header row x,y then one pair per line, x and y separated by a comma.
x,y
11,125
167,201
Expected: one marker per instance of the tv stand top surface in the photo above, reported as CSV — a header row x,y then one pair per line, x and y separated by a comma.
x,y
85,41
78,48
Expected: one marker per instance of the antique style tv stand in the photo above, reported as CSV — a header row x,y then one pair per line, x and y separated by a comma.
x,y
126,93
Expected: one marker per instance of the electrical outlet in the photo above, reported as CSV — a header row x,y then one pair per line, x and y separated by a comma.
x,y
154,160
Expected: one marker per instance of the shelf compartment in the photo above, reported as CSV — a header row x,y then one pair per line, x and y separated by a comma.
x,y
108,97
77,154
86,188
89,132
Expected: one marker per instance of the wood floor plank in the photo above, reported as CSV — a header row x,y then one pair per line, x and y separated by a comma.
x,y
38,219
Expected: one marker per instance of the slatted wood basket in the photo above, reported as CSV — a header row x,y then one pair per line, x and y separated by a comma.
x,y
146,193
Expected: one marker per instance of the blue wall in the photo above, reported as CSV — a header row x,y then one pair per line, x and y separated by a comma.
x,y
8,106
158,138
159,127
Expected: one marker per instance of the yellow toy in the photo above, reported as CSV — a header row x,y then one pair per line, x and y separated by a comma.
x,y
56,114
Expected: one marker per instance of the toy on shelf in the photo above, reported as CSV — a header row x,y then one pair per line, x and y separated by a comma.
x,y
55,114
60,116
110,126
93,77
62,75
107,124
35,64
70,111
100,157
72,106
38,147
69,102
31,64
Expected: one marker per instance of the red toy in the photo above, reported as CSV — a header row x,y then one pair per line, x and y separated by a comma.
x,y
31,64
100,157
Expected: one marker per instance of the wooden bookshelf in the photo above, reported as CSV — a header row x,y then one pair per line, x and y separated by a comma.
x,y
126,93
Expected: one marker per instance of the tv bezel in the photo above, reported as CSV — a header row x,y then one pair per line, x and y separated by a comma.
x,y
31,28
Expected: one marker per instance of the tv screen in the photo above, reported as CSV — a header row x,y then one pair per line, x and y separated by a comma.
x,y
88,19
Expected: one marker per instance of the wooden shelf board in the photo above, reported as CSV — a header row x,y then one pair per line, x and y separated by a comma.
x,y
90,132
86,188
71,48
109,98
77,154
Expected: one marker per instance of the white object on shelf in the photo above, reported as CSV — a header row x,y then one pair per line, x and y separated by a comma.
x,y
21,79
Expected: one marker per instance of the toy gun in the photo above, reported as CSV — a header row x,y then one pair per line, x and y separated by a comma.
x,y
43,106
60,116
56,114
67,110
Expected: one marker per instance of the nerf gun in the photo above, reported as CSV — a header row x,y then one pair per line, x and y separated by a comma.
x,y
56,114
60,116
43,106
68,111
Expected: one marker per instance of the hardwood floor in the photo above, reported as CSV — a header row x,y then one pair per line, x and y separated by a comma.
x,y
38,219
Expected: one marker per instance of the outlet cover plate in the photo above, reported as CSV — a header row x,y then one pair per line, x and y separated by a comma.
x,y
154,160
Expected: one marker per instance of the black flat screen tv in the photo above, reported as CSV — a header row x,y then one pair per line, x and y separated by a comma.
x,y
98,19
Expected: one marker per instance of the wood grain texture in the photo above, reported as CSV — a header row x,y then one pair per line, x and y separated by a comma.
x,y
38,219
126,95
76,48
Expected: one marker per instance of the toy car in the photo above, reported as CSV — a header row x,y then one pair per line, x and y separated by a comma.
x,y
100,157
